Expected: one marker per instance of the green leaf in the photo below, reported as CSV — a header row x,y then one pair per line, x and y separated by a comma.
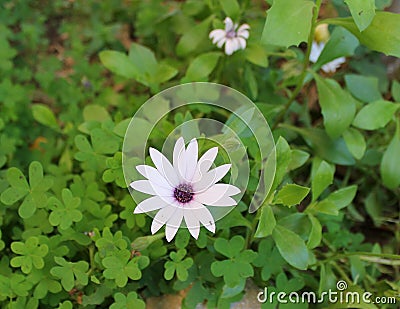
x,y
321,177
64,213
355,141
256,54
291,247
291,195
283,159
363,12
143,59
266,223
396,91
192,38
364,88
375,115
315,236
118,63
335,201
299,157
95,112
129,301
178,265
390,167
31,254
202,66
68,272
230,7
341,44
44,115
164,73
288,22
379,35
338,106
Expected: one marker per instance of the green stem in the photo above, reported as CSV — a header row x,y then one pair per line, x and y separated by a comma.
x,y
306,63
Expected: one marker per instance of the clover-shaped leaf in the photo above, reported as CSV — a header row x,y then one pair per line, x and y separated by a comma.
x,y
178,265
64,213
68,272
120,266
46,283
33,194
131,221
237,266
91,160
129,301
109,244
15,285
268,259
31,254
114,171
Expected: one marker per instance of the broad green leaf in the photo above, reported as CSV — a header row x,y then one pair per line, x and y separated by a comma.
x,y
338,106
380,34
230,7
202,66
192,38
343,197
288,23
390,167
95,112
299,157
251,82
364,88
291,247
266,223
355,141
44,115
291,194
321,177
375,115
283,158
341,44
144,60
315,236
396,91
256,54
334,151
119,63
363,12
164,73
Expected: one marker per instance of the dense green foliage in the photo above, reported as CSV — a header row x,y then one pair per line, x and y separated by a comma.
x,y
73,73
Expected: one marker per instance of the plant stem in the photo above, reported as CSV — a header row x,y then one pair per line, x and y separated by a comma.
x,y
306,63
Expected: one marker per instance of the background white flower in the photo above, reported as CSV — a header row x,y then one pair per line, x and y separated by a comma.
x,y
330,67
181,190
233,37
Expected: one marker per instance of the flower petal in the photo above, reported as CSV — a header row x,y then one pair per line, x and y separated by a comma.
x,y
150,204
230,46
173,224
164,167
221,42
204,164
218,195
180,159
242,42
243,27
154,176
210,178
217,35
179,148
191,157
192,222
228,24
148,187
204,216
316,50
162,217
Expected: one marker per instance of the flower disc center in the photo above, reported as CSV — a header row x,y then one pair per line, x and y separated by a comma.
x,y
183,193
231,34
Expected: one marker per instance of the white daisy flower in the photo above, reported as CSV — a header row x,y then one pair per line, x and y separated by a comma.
x,y
181,190
329,67
233,37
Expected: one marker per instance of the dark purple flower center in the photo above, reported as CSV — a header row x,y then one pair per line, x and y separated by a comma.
x,y
183,193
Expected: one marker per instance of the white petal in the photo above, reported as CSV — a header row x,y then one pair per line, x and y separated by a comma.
x,y
242,42
230,47
179,148
164,167
243,27
221,42
150,204
191,157
154,176
148,187
316,50
218,195
217,35
228,24
192,222
162,217
211,177
173,224
180,159
205,163
205,217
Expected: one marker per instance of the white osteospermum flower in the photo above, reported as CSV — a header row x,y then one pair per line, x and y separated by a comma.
x,y
330,67
233,37
181,190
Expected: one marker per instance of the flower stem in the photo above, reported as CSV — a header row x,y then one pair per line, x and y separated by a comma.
x,y
306,63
